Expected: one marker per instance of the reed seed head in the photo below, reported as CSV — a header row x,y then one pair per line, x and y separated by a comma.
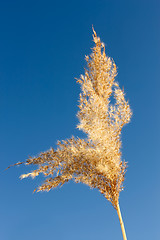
x,y
103,111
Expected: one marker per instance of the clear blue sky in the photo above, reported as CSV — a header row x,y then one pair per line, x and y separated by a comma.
x,y
42,49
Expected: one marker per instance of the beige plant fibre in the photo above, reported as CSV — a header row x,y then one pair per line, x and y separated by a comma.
x,y
96,160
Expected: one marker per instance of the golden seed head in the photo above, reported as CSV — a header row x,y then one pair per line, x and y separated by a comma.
x,y
96,160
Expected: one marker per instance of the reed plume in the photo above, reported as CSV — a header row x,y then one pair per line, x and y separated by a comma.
x,y
96,160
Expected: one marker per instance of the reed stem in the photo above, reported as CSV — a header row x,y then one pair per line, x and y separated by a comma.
x,y
121,222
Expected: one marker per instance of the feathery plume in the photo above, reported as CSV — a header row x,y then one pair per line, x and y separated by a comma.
x,y
96,160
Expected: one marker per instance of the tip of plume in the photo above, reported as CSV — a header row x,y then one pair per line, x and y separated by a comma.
x,y
94,32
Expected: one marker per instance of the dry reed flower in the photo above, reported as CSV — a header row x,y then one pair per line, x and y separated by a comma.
x,y
96,160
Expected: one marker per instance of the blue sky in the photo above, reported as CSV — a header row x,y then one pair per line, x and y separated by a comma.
x,y
42,49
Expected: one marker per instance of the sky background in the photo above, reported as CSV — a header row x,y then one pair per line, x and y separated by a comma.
x,y
42,49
